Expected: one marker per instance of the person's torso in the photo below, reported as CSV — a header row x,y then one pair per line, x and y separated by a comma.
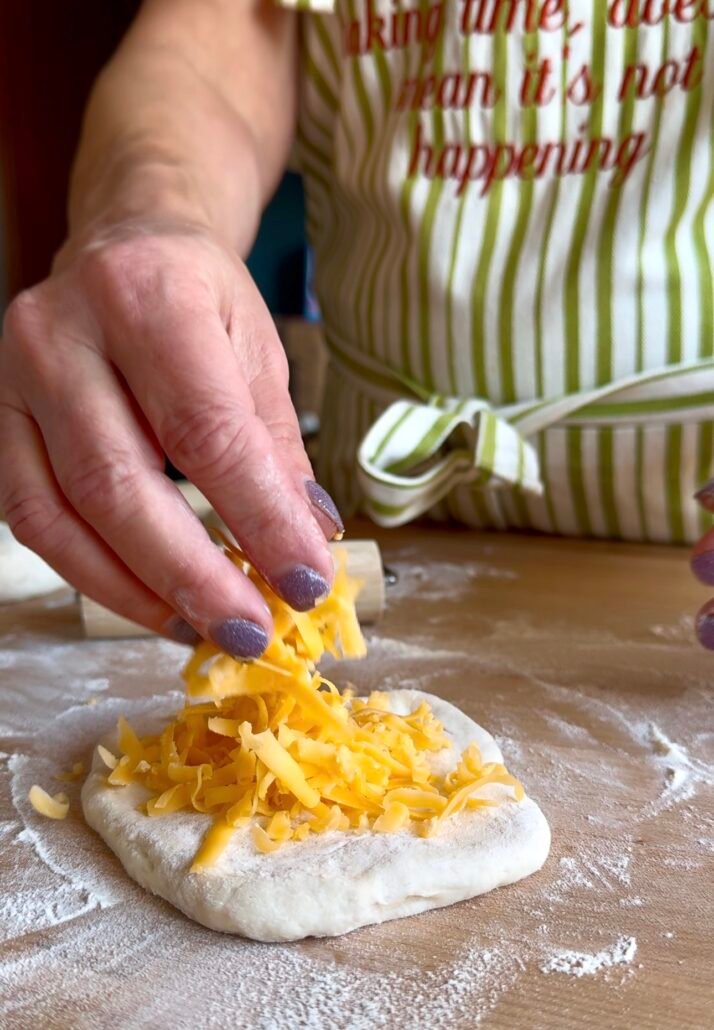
x,y
511,199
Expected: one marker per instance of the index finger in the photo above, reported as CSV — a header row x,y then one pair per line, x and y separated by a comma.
x,y
103,464
201,409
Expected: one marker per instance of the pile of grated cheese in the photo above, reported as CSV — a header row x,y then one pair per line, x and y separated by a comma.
x,y
275,746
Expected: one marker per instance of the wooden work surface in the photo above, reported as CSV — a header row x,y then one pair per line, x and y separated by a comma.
x,y
578,656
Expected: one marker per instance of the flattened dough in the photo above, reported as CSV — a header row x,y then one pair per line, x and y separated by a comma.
x,y
334,882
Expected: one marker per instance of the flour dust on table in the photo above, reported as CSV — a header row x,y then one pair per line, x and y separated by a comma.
x,y
337,881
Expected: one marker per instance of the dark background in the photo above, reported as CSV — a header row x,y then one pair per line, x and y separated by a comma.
x,y
50,53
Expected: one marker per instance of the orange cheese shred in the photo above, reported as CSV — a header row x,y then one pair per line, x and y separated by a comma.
x,y
75,773
53,807
273,746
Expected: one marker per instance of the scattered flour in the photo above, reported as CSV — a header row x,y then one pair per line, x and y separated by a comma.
x,y
462,992
388,647
97,683
681,862
678,632
67,847
571,875
77,929
437,581
584,963
568,729
682,774
245,985
618,866
595,868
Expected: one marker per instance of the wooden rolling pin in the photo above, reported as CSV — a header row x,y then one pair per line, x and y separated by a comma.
x,y
364,562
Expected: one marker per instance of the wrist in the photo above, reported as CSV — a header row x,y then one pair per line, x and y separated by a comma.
x,y
146,187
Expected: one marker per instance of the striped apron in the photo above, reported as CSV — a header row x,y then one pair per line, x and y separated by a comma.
x,y
512,209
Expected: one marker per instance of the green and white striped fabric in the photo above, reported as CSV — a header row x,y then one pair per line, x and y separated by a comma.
x,y
415,454
512,207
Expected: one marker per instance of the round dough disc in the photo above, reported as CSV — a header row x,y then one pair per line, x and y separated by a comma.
x,y
333,882
23,574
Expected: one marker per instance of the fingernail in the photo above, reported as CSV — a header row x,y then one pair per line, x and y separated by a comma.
x,y
705,495
302,587
321,500
239,637
705,629
703,567
182,632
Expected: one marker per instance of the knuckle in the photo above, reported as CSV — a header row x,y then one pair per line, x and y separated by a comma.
x,y
42,328
110,273
112,261
24,319
36,521
264,511
136,277
267,360
212,441
189,589
99,485
280,366
270,390
275,364
264,515
285,431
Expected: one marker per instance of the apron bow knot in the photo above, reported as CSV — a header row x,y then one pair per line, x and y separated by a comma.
x,y
418,450
416,453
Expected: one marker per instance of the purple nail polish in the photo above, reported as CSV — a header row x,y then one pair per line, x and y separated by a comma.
x,y
705,630
302,587
182,632
703,567
240,638
321,500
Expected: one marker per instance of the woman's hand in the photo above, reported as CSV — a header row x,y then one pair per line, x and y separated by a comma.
x,y
703,569
152,339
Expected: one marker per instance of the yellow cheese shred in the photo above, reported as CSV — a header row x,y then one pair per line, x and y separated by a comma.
x,y
107,757
75,773
54,807
274,746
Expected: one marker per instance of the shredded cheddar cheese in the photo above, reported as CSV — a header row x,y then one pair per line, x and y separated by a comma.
x,y
55,807
274,745
75,773
107,757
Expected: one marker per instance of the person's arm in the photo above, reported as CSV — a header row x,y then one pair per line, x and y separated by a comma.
x,y
192,118
150,338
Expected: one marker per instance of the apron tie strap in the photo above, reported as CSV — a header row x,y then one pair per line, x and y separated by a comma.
x,y
417,451
414,454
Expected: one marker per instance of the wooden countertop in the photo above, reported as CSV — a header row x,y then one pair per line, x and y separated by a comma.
x,y
578,656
